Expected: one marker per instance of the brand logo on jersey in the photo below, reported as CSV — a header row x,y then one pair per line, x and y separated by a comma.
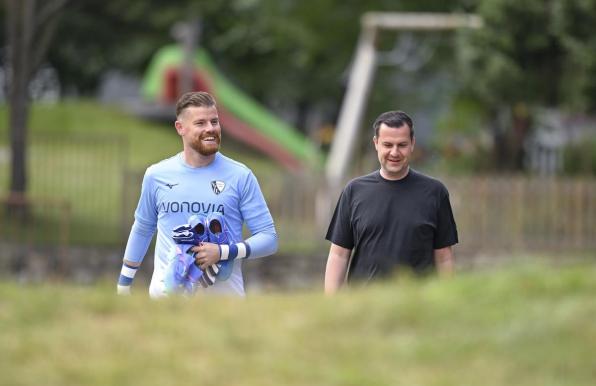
x,y
171,185
218,186
190,207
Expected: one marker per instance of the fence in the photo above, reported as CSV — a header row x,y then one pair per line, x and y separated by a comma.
x,y
84,172
34,234
524,213
493,213
73,199
82,194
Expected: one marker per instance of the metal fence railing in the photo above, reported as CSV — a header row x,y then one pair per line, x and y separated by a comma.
x,y
81,187
34,234
525,213
86,173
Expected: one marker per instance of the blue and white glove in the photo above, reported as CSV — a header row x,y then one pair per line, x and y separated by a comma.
x,y
182,273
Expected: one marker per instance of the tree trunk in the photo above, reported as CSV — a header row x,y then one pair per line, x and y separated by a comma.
x,y
500,159
30,27
19,109
20,15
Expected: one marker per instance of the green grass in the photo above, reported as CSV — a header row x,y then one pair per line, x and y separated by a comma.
x,y
78,152
530,325
147,142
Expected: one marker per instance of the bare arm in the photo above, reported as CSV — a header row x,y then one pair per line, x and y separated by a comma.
x,y
337,266
444,260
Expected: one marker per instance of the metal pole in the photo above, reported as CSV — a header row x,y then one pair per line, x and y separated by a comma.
x,y
353,106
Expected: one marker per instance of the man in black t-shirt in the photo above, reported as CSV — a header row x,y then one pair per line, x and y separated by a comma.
x,y
394,217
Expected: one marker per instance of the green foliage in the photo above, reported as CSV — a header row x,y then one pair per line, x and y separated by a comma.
x,y
461,140
537,52
524,326
580,158
284,53
529,55
125,35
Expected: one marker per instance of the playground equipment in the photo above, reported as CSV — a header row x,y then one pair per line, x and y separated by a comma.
x,y
241,116
363,71
183,66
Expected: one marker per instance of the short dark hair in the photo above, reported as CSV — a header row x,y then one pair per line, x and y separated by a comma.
x,y
195,99
394,119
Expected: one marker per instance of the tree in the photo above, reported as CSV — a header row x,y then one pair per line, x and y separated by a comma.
x,y
529,54
94,36
290,55
30,28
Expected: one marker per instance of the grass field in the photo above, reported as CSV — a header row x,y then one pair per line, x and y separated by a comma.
x,y
78,152
529,325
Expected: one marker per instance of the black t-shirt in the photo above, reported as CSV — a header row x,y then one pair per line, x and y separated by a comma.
x,y
389,224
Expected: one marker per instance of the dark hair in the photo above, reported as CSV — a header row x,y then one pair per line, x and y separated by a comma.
x,y
394,119
195,99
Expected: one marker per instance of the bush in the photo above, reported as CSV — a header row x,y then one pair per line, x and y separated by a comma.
x,y
580,158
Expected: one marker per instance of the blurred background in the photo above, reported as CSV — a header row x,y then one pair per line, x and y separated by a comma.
x,y
503,105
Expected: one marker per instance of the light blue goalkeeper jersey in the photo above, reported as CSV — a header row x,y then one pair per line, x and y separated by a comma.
x,y
172,191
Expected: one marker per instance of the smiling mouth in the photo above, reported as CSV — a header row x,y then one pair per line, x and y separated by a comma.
x,y
210,138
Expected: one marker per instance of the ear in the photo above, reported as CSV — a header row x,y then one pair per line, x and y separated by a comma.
x,y
413,142
376,142
179,127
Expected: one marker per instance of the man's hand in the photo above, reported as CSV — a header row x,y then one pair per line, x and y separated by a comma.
x,y
206,254
123,290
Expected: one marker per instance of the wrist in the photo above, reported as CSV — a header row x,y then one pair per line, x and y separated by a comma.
x,y
127,275
239,250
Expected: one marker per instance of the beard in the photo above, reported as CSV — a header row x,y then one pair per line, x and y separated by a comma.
x,y
203,148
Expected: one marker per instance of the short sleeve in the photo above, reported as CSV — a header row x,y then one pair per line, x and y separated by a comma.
x,y
446,233
340,227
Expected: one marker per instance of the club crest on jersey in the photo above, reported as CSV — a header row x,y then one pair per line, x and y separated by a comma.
x,y
218,186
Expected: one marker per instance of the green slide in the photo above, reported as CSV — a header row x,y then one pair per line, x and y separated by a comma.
x,y
284,140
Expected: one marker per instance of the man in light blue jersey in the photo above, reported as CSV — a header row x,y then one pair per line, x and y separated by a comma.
x,y
199,180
